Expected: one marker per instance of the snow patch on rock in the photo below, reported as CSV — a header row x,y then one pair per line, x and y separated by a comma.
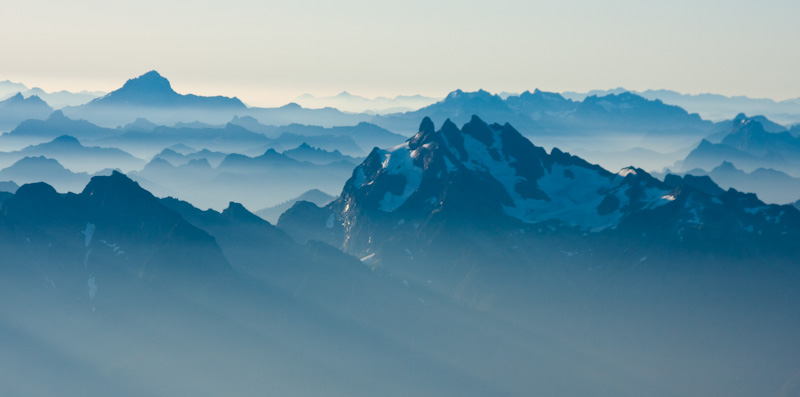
x,y
400,161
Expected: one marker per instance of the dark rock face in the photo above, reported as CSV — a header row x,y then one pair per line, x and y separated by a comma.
x,y
485,194
112,227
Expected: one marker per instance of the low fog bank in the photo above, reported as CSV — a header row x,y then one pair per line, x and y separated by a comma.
x,y
558,328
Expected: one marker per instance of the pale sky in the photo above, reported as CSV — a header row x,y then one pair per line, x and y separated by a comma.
x,y
269,52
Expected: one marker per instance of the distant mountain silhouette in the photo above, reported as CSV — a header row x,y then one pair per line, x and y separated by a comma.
x,y
748,146
151,96
459,106
57,124
538,103
72,154
8,186
294,113
172,157
712,106
270,159
62,99
214,158
9,88
725,127
42,169
317,197
308,153
354,103
366,135
553,115
767,124
17,109
770,185
750,135
252,124
139,125
153,90
142,138
630,112
212,179
57,100
708,155
288,141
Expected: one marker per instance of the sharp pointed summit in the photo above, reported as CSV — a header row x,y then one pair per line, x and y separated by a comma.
x,y
152,89
151,96
150,86
487,181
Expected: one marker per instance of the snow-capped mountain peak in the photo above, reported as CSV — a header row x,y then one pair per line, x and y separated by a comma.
x,y
495,165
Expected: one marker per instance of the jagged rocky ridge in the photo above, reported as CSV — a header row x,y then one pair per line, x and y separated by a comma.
x,y
113,228
546,113
485,194
749,145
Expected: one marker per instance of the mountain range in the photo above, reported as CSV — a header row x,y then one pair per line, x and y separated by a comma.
x,y
144,138
257,182
748,145
348,102
151,96
178,159
712,106
57,99
680,268
447,188
308,153
456,259
17,108
488,266
612,122
771,186
73,155
54,125
43,169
